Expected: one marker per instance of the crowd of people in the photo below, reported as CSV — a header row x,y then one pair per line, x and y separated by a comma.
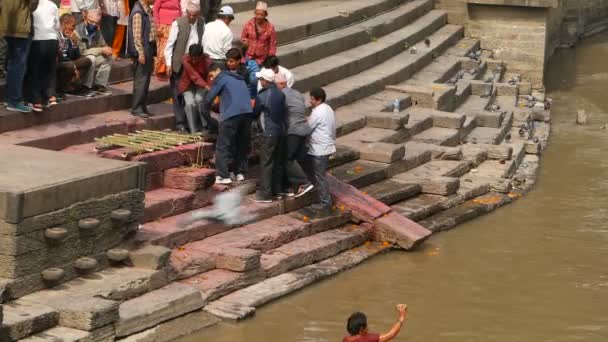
x,y
50,48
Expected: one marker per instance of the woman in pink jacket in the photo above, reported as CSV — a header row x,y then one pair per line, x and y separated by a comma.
x,y
165,11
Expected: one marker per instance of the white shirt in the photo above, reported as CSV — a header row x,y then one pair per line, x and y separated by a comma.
x,y
285,73
77,6
322,140
192,40
46,21
217,39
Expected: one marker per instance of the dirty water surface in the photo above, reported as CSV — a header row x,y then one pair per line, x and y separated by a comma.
x,y
536,270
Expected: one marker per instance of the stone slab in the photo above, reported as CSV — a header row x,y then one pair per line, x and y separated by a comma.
x,y
400,231
381,152
314,248
347,122
438,152
440,118
418,124
65,334
156,307
390,192
419,207
439,136
150,257
452,217
360,173
412,159
217,283
363,206
489,119
22,319
40,181
190,179
435,185
343,155
387,120
372,134
174,329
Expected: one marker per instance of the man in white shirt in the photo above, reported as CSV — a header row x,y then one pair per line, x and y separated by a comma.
x,y
217,39
185,32
321,144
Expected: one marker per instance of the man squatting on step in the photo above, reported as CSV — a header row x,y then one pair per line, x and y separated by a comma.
x,y
357,328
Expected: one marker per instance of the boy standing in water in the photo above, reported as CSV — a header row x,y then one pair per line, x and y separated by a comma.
x,y
357,328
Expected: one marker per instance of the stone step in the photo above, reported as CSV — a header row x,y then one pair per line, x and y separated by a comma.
x,y
158,306
166,202
393,70
189,179
343,155
412,159
464,47
441,168
360,173
503,168
218,282
314,248
347,122
80,106
322,16
439,136
417,124
347,37
372,134
83,129
22,319
441,70
242,304
438,151
470,123
169,233
488,135
390,192
65,334
440,118
240,249
175,329
347,63
449,218
420,207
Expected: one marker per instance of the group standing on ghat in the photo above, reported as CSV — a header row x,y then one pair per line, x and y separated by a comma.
x,y
53,48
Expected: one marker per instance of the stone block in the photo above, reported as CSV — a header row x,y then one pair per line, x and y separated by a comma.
x,y
444,98
314,248
453,216
440,118
150,257
217,283
172,330
505,89
387,120
360,173
166,202
188,261
489,119
437,185
237,259
420,207
59,334
390,192
420,95
170,233
347,122
191,179
525,88
439,136
154,180
532,147
399,230
481,88
22,319
362,205
343,154
156,307
372,134
417,125
381,152
412,159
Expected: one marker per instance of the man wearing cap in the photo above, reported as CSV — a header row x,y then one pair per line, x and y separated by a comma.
x,y
217,39
93,46
270,108
185,32
259,35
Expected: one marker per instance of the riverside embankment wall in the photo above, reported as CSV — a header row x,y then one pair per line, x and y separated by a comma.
x,y
525,33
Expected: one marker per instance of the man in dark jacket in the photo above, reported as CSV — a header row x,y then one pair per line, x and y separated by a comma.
x,y
234,135
16,27
141,47
72,65
270,108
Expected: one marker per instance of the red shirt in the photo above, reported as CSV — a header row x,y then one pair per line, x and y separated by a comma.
x,y
193,73
362,338
261,43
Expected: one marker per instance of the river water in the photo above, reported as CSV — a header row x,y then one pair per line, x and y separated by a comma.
x,y
536,270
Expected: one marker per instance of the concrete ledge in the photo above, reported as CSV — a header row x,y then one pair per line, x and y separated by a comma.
x,y
523,3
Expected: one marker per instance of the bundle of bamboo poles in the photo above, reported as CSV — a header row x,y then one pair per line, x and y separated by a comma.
x,y
145,141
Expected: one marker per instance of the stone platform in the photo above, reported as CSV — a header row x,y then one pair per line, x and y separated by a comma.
x,y
462,142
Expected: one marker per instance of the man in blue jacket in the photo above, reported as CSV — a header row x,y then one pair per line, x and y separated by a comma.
x,y
234,123
270,107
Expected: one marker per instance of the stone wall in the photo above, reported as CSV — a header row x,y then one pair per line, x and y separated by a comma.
x,y
525,33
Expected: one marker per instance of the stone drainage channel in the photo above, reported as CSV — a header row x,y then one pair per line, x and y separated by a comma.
x,y
535,270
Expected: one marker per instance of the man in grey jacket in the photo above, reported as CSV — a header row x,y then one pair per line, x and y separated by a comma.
x,y
93,46
297,133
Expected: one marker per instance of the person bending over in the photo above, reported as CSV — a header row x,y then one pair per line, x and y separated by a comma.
x,y
357,328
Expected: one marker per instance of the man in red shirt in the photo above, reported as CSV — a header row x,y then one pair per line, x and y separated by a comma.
x,y
357,328
259,35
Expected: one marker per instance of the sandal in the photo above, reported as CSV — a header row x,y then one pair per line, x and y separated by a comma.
x,y
36,107
52,101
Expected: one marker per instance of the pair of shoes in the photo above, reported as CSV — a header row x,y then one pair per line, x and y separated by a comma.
x,y
102,90
239,177
261,198
304,189
220,180
85,92
286,193
52,101
35,107
140,113
18,107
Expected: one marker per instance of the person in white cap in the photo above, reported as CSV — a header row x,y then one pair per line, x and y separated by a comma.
x,y
259,35
217,39
185,31
270,108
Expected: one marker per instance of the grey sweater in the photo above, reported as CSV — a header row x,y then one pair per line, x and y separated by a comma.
x,y
296,109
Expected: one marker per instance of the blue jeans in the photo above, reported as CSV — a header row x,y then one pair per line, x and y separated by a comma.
x,y
16,65
316,169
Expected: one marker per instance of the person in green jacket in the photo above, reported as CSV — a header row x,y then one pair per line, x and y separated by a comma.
x,y
16,27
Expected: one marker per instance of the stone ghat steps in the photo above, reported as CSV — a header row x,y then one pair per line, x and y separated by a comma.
x,y
80,106
242,304
352,61
321,16
393,70
368,30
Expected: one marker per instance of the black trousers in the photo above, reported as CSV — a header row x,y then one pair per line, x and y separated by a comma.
x,y
40,66
316,169
178,102
65,81
296,151
141,84
273,165
108,27
233,143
